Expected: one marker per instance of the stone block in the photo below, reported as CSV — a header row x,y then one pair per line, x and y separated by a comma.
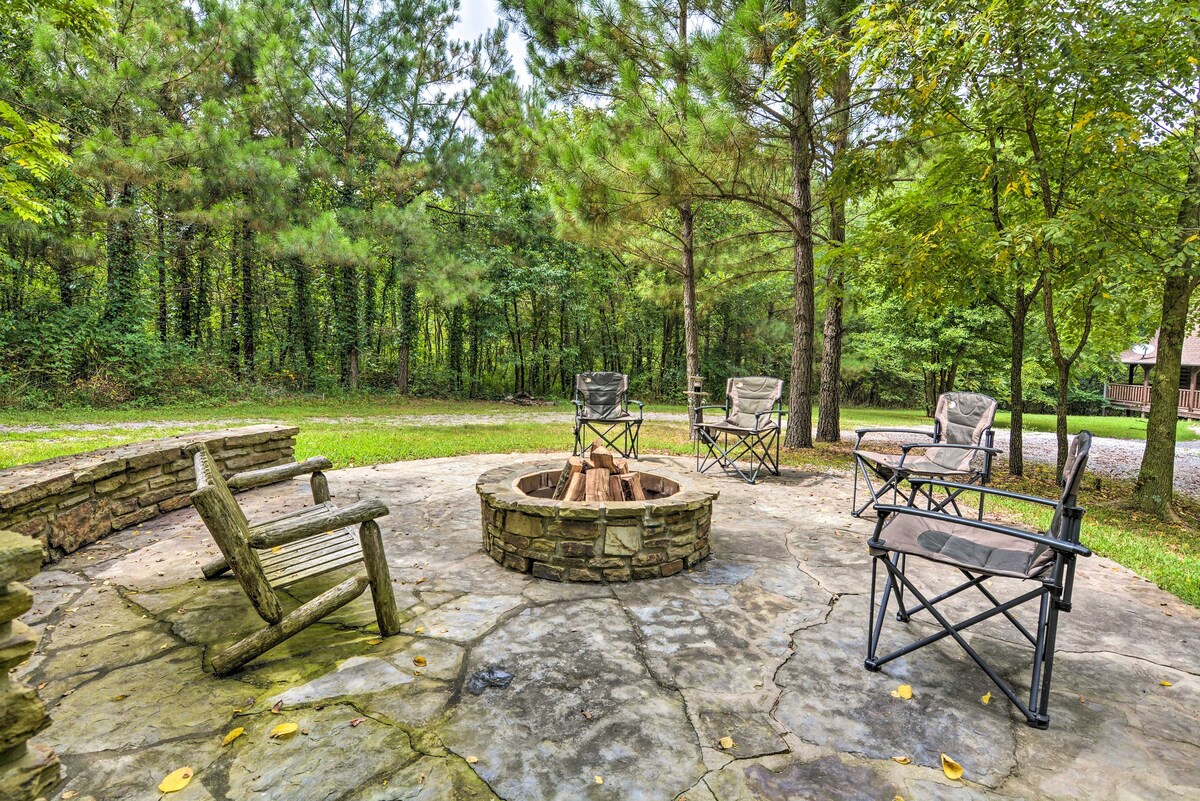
x,y
622,540
577,529
165,480
154,455
647,558
154,496
584,574
134,517
523,525
545,571
15,600
679,551
693,558
34,774
646,572
110,484
99,469
22,715
123,506
249,460
514,562
517,541
171,504
17,643
84,524
29,493
183,463
20,557
132,489
72,499
575,549
542,546
618,574
671,568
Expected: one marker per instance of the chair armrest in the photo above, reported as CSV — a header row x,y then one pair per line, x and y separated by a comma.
x,y
269,475
1016,496
641,408
860,432
702,408
289,529
1062,546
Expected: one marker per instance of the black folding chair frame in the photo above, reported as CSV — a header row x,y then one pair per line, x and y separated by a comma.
x,y
1053,594
618,435
724,448
892,476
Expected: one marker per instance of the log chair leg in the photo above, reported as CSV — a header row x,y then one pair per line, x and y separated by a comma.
x,y
264,640
381,579
215,568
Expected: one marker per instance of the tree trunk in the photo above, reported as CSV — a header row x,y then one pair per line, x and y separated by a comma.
x,y
800,137
691,331
1154,489
829,427
122,264
249,315
408,335
1016,384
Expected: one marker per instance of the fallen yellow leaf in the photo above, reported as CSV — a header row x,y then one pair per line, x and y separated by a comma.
x,y
233,735
69,794
471,760
986,698
119,697
599,780
952,769
420,661
420,629
1167,684
725,743
283,731
902,760
903,691
176,781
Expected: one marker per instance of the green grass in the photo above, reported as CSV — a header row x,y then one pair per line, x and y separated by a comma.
x,y
357,432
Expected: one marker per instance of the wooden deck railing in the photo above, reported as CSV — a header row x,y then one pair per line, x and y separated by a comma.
x,y
1139,395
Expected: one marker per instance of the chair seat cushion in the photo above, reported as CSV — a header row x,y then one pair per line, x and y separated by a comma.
x,y
915,465
733,428
954,541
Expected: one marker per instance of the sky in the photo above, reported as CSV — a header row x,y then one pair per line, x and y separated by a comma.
x,y
476,16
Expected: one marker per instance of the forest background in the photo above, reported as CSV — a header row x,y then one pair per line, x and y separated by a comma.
x,y
209,200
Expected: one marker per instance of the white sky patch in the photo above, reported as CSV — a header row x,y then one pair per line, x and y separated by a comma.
x,y
476,17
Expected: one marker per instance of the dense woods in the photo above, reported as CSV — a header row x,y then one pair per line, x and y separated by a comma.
x,y
878,202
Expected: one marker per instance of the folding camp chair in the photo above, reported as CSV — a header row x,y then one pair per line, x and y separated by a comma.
x,y
962,430
602,407
980,551
749,430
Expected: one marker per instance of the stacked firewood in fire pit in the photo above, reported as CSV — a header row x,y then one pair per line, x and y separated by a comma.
x,y
597,476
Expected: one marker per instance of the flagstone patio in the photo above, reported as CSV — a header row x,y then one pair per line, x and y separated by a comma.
x,y
620,691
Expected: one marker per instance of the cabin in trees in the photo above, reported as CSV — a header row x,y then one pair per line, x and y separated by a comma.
x,y
1140,360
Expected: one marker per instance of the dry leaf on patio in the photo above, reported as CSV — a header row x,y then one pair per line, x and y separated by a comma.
x,y
354,724
902,760
283,731
233,735
903,691
1167,683
176,781
69,794
420,661
420,629
471,760
952,769
986,698
119,697
599,780
374,641
725,743
586,714
275,710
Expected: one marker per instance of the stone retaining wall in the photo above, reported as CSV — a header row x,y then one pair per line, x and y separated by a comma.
x,y
71,501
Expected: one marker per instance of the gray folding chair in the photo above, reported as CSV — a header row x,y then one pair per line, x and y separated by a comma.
x,y
980,551
602,407
748,430
960,450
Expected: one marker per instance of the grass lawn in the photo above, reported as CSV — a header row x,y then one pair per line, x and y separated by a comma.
x,y
364,431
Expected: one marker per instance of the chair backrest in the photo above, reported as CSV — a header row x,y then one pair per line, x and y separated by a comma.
x,y
963,418
1077,457
603,395
229,527
750,396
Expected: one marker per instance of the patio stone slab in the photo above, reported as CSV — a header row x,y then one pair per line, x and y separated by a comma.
x,y
636,684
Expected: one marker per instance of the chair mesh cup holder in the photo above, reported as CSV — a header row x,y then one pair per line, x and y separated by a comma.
x,y
908,538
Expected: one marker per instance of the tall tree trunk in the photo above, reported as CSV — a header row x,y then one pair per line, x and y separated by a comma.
x,y
122,261
160,260
1018,318
1063,362
249,307
829,427
408,335
800,139
1154,489
691,330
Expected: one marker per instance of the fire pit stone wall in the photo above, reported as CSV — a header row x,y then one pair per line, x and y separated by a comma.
x,y
589,540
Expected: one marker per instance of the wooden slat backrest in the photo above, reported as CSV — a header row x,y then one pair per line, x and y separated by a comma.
x,y
229,527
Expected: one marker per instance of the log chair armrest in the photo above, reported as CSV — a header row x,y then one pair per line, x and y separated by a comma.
x,y
280,532
269,475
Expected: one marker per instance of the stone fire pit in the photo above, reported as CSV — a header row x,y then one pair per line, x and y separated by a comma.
x,y
524,530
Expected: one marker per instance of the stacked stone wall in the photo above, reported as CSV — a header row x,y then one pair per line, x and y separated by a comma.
x,y
71,501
